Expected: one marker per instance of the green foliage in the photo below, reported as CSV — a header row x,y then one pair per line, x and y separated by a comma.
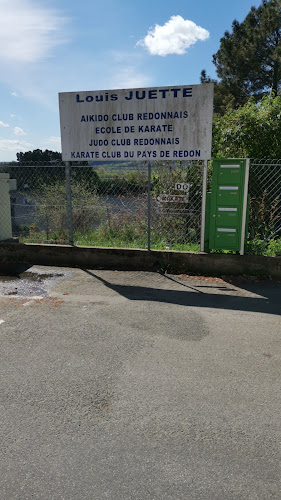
x,y
115,231
164,177
223,99
86,177
248,61
103,236
39,156
271,248
264,214
252,131
122,182
31,179
87,208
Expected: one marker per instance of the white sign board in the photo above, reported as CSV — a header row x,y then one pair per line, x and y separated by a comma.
x,y
137,124
182,186
172,198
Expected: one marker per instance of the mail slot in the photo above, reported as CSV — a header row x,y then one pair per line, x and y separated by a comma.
x,y
228,195
229,174
228,216
226,237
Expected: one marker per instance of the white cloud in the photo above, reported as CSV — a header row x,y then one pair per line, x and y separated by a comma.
x,y
129,77
52,143
14,94
2,124
174,37
125,70
19,131
14,145
28,32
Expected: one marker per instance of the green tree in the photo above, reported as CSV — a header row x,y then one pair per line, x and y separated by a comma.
x,y
39,156
48,168
251,131
248,62
45,168
223,98
254,131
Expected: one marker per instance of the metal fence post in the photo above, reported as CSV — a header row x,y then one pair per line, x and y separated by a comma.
x,y
203,209
148,205
69,204
245,204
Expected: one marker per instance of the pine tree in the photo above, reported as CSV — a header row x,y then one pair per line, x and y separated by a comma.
x,y
248,61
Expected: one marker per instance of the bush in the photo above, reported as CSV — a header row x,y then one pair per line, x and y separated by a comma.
x,y
51,205
251,131
271,248
264,216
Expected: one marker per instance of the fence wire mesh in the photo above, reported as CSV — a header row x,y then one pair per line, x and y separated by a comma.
x,y
111,204
265,199
176,197
38,204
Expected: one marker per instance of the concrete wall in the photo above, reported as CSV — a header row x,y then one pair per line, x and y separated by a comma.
x,y
111,258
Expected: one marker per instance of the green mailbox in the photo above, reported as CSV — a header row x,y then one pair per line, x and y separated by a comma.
x,y
227,207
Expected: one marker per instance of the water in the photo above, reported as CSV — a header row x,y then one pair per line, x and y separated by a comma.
x,y
33,282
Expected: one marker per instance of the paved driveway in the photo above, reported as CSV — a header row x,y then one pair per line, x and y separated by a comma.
x,y
134,385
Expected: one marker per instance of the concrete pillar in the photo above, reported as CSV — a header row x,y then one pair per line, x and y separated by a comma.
x,y
6,184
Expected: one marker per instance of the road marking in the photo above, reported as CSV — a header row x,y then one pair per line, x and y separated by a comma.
x,y
2,321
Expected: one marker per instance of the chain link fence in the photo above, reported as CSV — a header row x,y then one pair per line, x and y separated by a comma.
x,y
176,199
265,199
109,204
156,205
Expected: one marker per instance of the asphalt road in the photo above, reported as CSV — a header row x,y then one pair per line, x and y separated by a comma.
x,y
134,385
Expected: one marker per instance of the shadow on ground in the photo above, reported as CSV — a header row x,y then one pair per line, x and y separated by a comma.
x,y
200,295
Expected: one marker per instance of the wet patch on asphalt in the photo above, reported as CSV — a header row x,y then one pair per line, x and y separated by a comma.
x,y
34,282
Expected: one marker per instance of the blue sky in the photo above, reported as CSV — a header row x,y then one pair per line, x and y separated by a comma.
x,y
51,46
